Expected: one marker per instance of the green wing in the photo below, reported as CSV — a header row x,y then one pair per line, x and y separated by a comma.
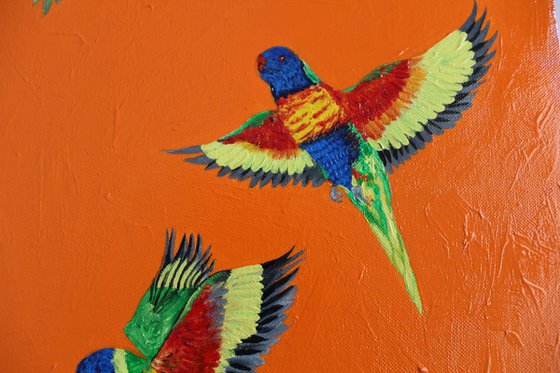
x,y
178,278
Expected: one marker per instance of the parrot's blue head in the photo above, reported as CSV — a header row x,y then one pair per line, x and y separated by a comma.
x,y
284,71
99,361
111,360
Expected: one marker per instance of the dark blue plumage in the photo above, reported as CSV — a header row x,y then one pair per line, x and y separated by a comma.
x,y
99,361
336,153
283,71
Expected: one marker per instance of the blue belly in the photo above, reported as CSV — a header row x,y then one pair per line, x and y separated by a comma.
x,y
335,153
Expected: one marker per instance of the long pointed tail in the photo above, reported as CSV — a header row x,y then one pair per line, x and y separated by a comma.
x,y
379,214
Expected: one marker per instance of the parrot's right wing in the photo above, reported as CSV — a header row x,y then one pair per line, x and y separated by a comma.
x,y
261,150
398,107
231,320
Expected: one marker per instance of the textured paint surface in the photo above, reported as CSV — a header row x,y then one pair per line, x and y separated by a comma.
x,y
92,92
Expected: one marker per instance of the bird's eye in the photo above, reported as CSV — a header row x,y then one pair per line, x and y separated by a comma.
x,y
282,58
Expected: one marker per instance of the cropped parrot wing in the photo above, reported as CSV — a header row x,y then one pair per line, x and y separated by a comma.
x,y
178,278
262,151
46,4
232,319
399,106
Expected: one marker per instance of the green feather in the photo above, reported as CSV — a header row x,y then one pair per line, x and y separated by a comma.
x,y
135,363
255,121
148,329
310,74
379,214
179,277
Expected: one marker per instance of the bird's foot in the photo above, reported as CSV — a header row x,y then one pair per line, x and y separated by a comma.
x,y
358,194
336,194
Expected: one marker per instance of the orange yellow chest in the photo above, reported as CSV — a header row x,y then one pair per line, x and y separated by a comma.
x,y
310,113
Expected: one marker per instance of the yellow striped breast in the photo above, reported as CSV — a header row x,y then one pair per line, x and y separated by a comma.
x,y
310,113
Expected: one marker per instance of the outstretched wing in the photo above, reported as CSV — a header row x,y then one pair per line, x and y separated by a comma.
x,y
178,278
399,106
232,320
261,150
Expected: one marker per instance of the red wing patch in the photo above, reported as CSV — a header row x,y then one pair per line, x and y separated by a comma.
x,y
194,344
271,135
370,99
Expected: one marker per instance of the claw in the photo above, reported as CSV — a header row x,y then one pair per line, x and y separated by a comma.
x,y
336,194
357,191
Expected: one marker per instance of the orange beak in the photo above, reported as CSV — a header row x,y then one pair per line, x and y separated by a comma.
x,y
261,62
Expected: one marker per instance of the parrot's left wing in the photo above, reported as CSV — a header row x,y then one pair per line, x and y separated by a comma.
x,y
231,320
399,106
261,150
178,278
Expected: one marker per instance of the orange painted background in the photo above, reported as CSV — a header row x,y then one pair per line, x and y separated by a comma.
x,y
92,93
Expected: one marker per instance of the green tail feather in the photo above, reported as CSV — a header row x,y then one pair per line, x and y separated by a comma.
x,y
379,214
391,241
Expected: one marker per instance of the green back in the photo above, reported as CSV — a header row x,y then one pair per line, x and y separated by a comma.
x,y
178,278
149,328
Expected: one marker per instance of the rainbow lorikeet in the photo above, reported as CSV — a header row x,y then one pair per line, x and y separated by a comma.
x,y
192,321
353,137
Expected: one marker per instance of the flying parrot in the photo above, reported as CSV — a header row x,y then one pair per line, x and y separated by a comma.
x,y
355,136
192,321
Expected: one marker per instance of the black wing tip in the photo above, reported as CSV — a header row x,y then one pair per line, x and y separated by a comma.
x,y
188,150
277,298
197,156
474,27
477,32
310,175
289,258
191,251
169,247
201,159
472,18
